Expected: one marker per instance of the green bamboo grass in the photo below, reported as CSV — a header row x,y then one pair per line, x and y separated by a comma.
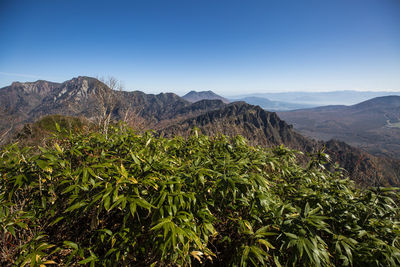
x,y
140,200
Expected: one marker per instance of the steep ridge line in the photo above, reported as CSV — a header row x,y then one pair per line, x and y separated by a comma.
x,y
169,114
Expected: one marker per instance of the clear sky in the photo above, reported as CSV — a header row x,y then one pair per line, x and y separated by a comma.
x,y
230,47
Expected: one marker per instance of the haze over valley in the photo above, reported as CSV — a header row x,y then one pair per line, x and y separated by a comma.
x,y
316,99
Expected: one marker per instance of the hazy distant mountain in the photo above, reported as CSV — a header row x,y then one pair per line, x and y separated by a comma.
x,y
272,105
194,96
170,114
322,98
373,125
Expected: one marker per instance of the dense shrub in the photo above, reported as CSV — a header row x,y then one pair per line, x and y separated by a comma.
x,y
144,200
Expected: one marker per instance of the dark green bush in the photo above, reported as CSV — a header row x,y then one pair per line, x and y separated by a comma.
x,y
143,200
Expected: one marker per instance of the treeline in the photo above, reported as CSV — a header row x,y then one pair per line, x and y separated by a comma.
x,y
142,200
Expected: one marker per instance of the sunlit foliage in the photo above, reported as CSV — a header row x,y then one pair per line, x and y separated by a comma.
x,y
145,200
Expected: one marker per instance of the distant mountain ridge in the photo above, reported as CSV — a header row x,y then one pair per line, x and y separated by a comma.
x,y
270,105
347,97
373,125
170,114
194,96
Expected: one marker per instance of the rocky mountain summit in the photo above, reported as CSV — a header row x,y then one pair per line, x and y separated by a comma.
x,y
169,114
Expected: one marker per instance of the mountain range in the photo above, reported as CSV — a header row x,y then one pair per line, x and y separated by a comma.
x,y
373,125
347,97
264,103
168,114
270,105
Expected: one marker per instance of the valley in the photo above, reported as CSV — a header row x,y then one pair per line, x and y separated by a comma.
x,y
317,99
371,125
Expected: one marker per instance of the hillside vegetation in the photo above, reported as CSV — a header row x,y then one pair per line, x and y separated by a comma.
x,y
139,200
94,103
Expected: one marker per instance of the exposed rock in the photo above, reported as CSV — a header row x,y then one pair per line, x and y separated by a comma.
x,y
170,114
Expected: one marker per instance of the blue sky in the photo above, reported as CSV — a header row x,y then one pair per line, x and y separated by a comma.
x,y
230,47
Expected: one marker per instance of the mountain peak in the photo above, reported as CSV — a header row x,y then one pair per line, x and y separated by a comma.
x,y
169,114
194,96
39,87
390,101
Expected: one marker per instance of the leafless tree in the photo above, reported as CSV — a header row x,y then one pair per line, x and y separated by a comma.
x,y
112,83
7,132
133,119
106,99
4,134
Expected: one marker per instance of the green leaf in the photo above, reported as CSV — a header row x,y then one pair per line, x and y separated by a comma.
x,y
132,207
107,203
71,244
56,220
266,244
87,260
124,173
161,224
143,203
75,206
292,236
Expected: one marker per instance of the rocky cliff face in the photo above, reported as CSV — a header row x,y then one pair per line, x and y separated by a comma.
x,y
17,100
84,96
20,98
169,114
265,128
363,167
257,125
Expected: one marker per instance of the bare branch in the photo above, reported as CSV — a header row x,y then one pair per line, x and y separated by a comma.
x,y
106,102
3,136
133,119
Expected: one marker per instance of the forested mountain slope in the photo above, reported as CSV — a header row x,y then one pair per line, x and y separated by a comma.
x,y
170,115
